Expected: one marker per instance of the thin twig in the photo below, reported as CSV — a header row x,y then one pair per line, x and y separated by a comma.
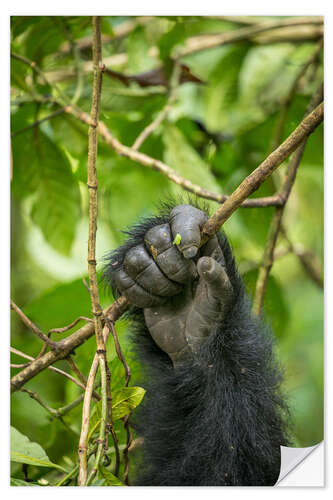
x,y
275,226
71,325
93,286
76,369
32,326
63,410
119,352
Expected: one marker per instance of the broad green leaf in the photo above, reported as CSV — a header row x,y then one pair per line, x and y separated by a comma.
x,y
108,477
56,208
23,451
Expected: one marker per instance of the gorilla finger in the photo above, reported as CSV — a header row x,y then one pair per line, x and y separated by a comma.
x,y
187,221
159,243
212,249
141,267
216,278
134,292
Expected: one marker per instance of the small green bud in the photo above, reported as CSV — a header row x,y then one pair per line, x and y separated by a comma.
x,y
177,239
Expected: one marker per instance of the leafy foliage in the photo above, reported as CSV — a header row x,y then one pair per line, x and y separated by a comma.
x,y
25,452
215,134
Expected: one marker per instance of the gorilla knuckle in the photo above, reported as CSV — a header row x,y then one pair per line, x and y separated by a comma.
x,y
136,260
158,238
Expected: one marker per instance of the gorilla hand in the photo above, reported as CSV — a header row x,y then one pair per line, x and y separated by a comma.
x,y
183,290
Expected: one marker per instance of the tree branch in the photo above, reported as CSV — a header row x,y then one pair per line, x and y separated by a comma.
x,y
93,287
53,368
199,43
268,258
265,169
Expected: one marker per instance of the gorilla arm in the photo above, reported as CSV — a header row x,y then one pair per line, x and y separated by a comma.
x,y
213,413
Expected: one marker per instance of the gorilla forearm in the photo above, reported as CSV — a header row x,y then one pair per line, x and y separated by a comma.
x,y
217,416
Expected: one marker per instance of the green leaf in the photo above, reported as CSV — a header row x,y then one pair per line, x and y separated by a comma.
x,y
170,39
221,93
106,26
177,239
138,46
95,419
18,74
125,400
181,156
18,24
109,478
42,168
44,37
25,452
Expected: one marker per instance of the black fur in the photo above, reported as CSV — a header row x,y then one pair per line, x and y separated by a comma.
x,y
221,418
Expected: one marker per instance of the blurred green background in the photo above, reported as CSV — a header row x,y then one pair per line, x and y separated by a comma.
x,y
216,133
